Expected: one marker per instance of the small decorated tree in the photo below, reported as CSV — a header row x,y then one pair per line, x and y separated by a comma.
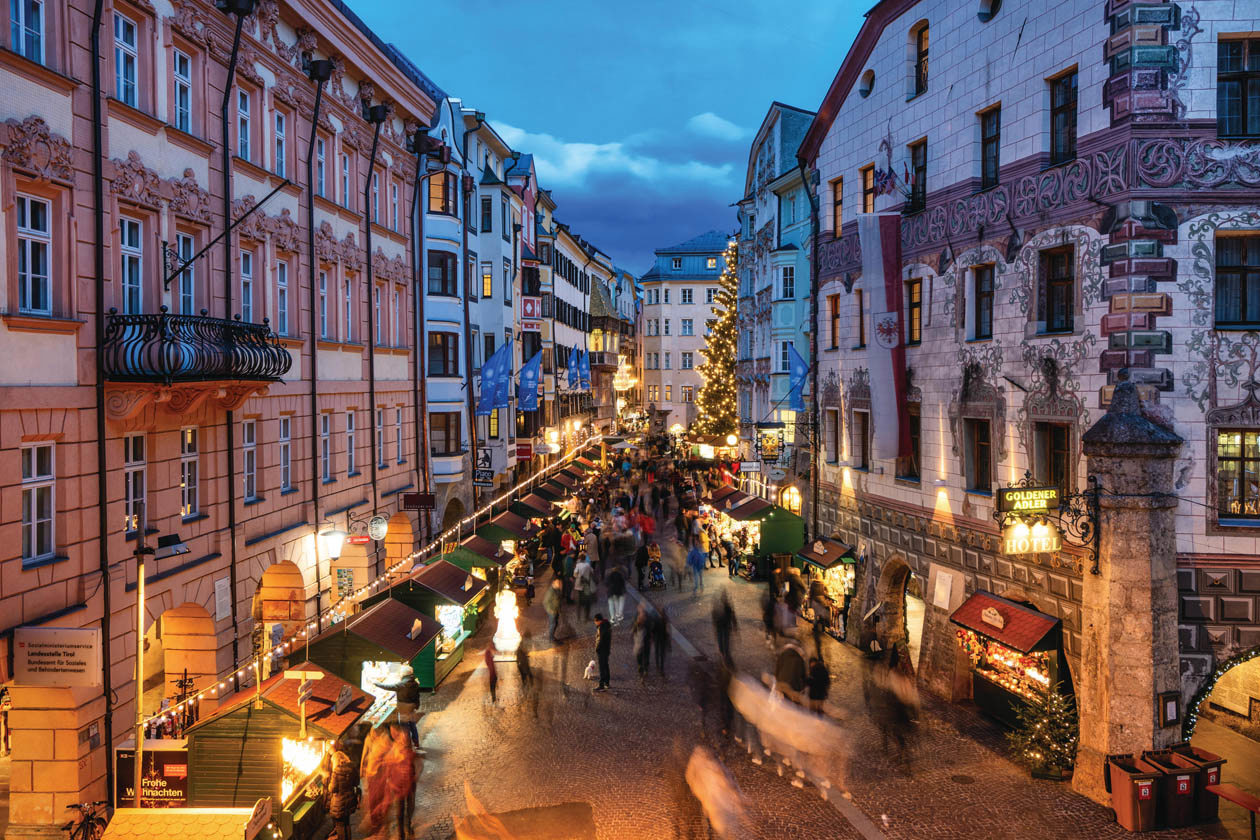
x,y
1045,734
717,413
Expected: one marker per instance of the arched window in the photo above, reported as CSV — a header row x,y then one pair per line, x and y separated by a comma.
x,y
790,498
918,55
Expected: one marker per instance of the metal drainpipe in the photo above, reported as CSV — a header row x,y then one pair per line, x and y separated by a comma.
x,y
319,71
468,349
241,8
420,396
815,461
376,115
102,496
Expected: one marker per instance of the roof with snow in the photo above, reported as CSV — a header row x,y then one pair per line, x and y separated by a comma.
x,y
714,240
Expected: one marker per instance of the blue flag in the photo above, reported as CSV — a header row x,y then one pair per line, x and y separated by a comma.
x,y
796,380
527,395
503,393
584,374
573,368
490,373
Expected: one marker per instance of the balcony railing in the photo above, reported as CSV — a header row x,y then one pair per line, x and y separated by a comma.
x,y
168,348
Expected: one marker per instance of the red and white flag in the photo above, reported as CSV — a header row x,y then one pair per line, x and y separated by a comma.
x,y
880,238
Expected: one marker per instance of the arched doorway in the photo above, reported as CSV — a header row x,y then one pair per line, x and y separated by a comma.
x,y
400,540
900,597
279,604
453,514
179,645
790,499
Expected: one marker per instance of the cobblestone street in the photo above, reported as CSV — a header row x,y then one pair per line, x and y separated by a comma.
x,y
609,759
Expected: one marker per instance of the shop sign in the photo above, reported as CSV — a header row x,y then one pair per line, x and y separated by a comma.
x,y
378,527
486,476
259,818
993,618
344,698
524,449
418,501
1027,500
775,474
164,783
546,448
1041,538
750,466
61,656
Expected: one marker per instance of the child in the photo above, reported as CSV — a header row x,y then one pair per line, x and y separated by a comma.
x,y
529,591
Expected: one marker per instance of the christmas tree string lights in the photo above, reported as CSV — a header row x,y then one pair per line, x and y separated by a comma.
x,y
716,401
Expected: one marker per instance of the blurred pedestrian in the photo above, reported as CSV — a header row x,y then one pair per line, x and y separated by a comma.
x,y
819,680
584,585
615,582
522,662
401,766
603,647
660,640
642,638
342,797
641,563
492,674
724,622
695,562
552,603
373,772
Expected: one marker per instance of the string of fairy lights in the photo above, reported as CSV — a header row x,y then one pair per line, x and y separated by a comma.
x,y
341,609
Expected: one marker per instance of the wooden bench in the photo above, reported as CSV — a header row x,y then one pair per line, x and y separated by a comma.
x,y
1239,797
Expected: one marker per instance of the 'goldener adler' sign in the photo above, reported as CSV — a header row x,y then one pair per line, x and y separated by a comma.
x,y
1028,499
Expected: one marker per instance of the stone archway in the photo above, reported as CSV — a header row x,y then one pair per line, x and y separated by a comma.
x,y
453,514
897,592
279,608
181,641
400,541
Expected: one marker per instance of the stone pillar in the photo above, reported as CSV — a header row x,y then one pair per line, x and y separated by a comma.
x,y
1129,612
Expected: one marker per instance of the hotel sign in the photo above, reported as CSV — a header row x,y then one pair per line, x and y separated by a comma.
x,y
1041,538
1028,500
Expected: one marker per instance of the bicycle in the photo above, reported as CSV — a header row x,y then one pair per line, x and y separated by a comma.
x,y
90,825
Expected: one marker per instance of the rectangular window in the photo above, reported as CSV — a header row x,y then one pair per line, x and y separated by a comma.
x,y
393,207
442,274
351,444
908,467
687,392
126,59
34,246
487,214
990,147
181,74
489,347
325,447
688,326
132,255
983,306
1238,473
247,287
398,436
376,316
442,193
914,311
1063,118
345,181
1060,284
507,282
323,304
837,206
487,280
667,362
787,282
443,354
921,60
280,149
979,454
493,423
669,393
918,177
444,433
667,296
832,430
505,218
833,314
785,356
710,263
861,443
861,320
376,198
666,326
1053,463
396,316
319,167
1237,281
380,438
348,319
710,295
685,296
286,453
38,501
868,188
189,472
686,360
27,19
249,459
1238,88
134,469
676,264
282,298
242,124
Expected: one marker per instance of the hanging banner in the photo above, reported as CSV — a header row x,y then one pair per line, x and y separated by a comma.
x,y
503,391
573,368
527,395
796,380
880,238
584,371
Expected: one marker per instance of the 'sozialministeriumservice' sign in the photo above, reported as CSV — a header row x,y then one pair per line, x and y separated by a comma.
x,y
61,656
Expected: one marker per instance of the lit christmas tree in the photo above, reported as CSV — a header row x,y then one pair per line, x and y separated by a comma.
x,y
715,404
1045,733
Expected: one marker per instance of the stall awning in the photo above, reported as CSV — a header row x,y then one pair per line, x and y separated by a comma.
x,y
586,464
485,549
532,506
450,581
391,626
731,500
165,823
283,695
507,526
1018,627
750,510
718,495
832,553
552,491
573,473
568,482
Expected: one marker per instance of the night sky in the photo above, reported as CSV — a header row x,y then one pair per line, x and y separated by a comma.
x,y
639,113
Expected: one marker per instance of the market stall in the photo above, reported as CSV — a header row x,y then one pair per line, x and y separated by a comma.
x,y
720,494
191,823
568,482
575,473
480,556
506,527
262,742
828,569
1015,651
586,464
532,506
769,529
552,491
457,599
371,648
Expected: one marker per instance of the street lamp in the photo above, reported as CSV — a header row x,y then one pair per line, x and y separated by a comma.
x,y
731,440
332,540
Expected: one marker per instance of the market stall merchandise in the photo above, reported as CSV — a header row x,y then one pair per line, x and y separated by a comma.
x,y
372,648
828,567
1015,651
253,746
761,530
455,598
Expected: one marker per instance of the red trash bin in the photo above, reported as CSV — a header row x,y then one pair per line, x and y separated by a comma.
x,y
1175,806
1209,764
1133,789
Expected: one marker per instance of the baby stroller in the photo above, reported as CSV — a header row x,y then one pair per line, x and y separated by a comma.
x,y
656,572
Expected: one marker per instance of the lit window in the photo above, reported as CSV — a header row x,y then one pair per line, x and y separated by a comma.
x,y
710,263
133,481
189,472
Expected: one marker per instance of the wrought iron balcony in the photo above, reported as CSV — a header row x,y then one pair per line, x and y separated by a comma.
x,y
166,349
